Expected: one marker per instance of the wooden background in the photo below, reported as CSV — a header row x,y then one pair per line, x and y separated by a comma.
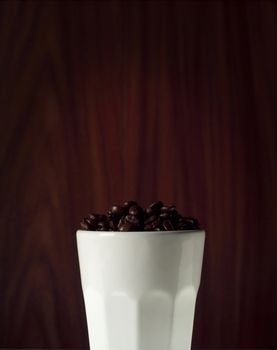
x,y
106,101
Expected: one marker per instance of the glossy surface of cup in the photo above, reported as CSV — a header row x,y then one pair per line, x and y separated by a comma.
x,y
140,288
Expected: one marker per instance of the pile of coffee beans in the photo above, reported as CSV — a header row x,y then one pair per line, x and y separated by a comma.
x,y
132,217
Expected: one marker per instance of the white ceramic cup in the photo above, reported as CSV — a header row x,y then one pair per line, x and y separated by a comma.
x,y
140,288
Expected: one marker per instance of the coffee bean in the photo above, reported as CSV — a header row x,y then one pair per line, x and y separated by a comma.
x,y
84,225
164,215
191,223
167,225
181,224
151,219
93,217
150,227
103,224
123,228
164,209
179,218
172,208
128,204
121,222
154,208
114,209
132,219
149,211
156,205
117,210
189,220
173,218
134,210
112,225
126,226
154,223
90,222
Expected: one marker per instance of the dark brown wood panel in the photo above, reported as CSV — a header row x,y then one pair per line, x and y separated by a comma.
x,y
106,101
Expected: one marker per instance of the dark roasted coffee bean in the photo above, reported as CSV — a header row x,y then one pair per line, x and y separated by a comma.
x,y
150,227
154,208
90,222
173,219
151,219
164,215
153,224
189,219
156,223
179,218
164,209
156,205
132,220
128,204
93,217
117,210
172,211
114,209
149,211
123,227
126,226
84,225
121,223
192,223
180,225
167,225
112,225
134,210
103,224
114,217
172,208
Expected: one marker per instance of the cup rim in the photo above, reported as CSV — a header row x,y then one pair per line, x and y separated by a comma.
x,y
135,233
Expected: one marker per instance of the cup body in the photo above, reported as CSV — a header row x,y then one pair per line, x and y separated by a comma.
x,y
140,288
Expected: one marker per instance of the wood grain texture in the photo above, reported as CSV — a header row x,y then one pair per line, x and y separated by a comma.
x,y
106,101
